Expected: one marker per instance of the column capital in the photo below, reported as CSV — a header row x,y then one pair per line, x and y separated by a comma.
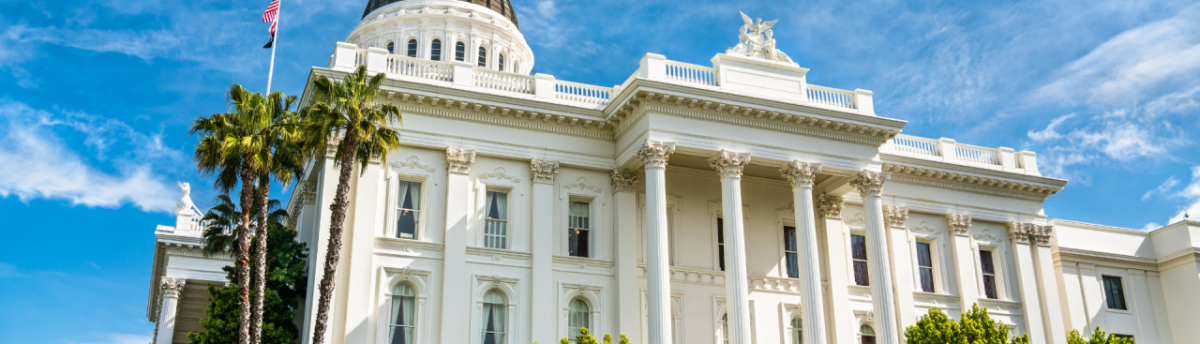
x,y
870,183
171,287
729,164
830,205
543,170
895,215
800,173
623,180
959,223
1030,233
656,153
460,160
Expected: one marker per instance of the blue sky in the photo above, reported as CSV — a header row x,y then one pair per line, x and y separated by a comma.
x,y
96,97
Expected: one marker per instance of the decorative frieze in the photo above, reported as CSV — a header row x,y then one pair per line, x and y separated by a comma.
x,y
830,205
623,181
460,160
543,171
970,183
800,173
655,154
729,164
895,215
870,183
958,223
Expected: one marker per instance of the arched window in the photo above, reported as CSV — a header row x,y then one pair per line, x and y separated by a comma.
x,y
501,62
868,334
725,328
435,50
482,57
460,52
516,66
403,315
493,318
391,47
797,331
412,48
578,318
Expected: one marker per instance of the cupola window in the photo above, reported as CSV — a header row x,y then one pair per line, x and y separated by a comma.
x,y
460,52
391,47
435,52
482,57
412,48
500,63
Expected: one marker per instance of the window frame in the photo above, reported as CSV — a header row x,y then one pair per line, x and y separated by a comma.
x,y
1108,304
791,265
393,229
419,281
719,243
509,288
996,273
573,331
460,55
866,260
500,62
391,47
436,46
797,334
412,48
413,322
935,265
505,330
583,191
482,53
590,230
508,220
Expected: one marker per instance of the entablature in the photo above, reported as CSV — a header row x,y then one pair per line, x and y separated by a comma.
x,y
971,179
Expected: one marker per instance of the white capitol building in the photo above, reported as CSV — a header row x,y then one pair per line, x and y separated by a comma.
x,y
733,202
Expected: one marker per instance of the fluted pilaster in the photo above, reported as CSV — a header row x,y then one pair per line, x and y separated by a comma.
x,y
658,282
870,187
812,308
729,166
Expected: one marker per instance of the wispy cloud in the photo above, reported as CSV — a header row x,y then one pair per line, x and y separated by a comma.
x,y
35,162
1191,193
1162,189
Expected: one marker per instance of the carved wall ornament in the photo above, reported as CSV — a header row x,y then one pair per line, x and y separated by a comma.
x,y
623,181
499,173
460,160
655,154
729,164
1030,233
830,205
800,173
543,171
582,184
959,223
925,227
856,219
987,236
895,215
1018,232
870,183
413,162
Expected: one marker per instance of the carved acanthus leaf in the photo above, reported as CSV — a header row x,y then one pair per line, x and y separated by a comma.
x,y
623,181
460,160
729,164
543,171
870,183
830,205
655,154
895,215
959,223
800,173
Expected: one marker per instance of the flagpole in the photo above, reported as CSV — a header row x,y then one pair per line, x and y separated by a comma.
x,y
274,41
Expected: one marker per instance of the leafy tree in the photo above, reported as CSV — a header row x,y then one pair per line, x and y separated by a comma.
x,y
624,340
607,338
229,147
975,327
1098,337
286,266
282,159
346,109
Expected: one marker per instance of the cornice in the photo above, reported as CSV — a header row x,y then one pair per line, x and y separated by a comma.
x,y
801,120
940,178
1081,255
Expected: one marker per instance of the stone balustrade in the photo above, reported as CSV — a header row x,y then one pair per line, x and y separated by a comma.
x,y
948,150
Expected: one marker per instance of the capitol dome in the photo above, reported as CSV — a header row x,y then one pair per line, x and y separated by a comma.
x,y
483,33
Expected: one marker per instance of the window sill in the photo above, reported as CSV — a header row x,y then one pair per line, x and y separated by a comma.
x,y
1118,311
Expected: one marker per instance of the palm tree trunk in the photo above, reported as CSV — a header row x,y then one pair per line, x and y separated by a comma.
x,y
260,264
338,208
243,254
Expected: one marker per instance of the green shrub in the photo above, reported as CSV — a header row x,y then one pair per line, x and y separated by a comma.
x,y
1099,337
975,327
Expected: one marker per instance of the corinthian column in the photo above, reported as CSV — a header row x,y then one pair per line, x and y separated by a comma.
x,y
455,280
542,247
812,308
658,281
729,165
165,327
870,186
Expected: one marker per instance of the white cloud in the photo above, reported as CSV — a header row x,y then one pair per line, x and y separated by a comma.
x,y
1050,132
1133,64
37,163
1162,188
1192,194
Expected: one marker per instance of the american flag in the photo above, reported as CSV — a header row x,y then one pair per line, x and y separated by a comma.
x,y
269,15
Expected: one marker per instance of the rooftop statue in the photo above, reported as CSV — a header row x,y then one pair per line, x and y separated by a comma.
x,y
755,40
185,200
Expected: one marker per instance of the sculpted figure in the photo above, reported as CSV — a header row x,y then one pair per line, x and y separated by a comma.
x,y
185,200
754,40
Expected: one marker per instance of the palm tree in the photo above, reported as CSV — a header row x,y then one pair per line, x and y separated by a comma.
x,y
348,109
221,222
284,160
230,147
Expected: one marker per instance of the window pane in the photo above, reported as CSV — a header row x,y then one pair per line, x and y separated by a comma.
x,y
391,47
789,238
460,51
792,256
435,52
858,246
578,242
923,257
482,57
989,286
985,261
860,273
493,318
580,215
500,63
1114,292
927,280
671,234
793,265
406,224
412,48
797,331
578,318
721,243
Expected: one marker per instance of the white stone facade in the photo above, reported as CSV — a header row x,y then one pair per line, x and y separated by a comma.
x,y
798,185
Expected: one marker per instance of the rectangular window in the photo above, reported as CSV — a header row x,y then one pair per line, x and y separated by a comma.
x,y
1114,292
495,235
989,274
790,252
858,253
721,243
408,213
579,228
671,235
925,266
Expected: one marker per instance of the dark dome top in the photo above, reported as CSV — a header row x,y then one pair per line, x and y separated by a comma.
x,y
503,7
